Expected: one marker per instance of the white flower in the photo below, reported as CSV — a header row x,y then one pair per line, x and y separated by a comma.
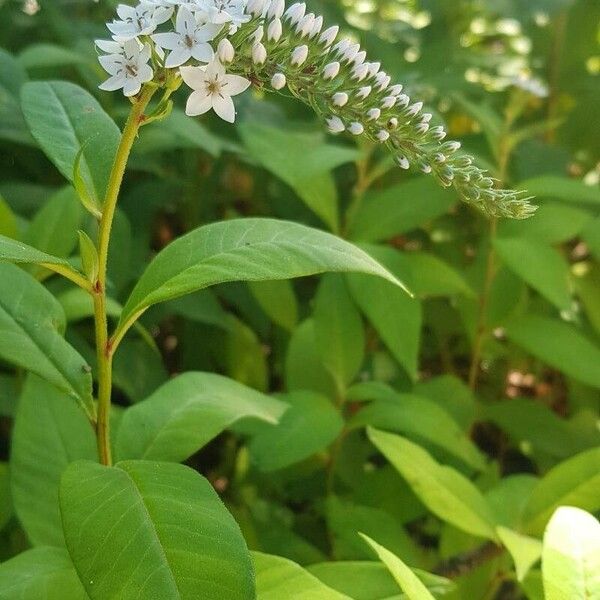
x,y
278,81
223,11
189,40
213,88
128,70
141,20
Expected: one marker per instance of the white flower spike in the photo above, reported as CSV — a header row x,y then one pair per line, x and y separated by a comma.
x,y
189,40
128,70
213,89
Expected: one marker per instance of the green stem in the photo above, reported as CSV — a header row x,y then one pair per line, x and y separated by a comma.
x,y
104,349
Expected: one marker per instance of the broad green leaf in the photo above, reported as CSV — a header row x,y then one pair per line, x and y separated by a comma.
x,y
301,160
65,119
12,78
525,551
422,418
36,56
40,574
278,578
155,530
561,188
398,209
559,344
308,426
339,330
367,580
203,306
186,413
396,317
13,251
447,493
304,369
244,250
540,265
278,300
409,583
50,432
8,221
574,482
571,556
431,276
31,322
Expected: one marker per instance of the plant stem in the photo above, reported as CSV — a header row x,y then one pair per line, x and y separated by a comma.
x,y
104,350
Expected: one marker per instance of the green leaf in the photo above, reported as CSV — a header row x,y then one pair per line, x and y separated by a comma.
x,y
12,78
559,344
186,413
13,251
571,556
36,56
574,482
367,580
40,574
8,221
278,300
431,276
243,250
339,330
540,265
301,160
308,426
31,321
406,206
561,188
63,118
447,493
409,583
423,418
50,432
395,316
278,578
89,256
525,551
155,530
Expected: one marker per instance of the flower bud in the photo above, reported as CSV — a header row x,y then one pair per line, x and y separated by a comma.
x,y
317,26
451,147
363,92
403,100
373,114
335,125
415,109
350,53
388,102
256,7
356,128
425,168
274,30
426,117
342,46
259,54
225,51
422,128
392,123
383,135
402,162
396,89
438,133
278,81
258,34
295,12
328,36
276,9
331,70
299,55
360,72
359,59
374,68
305,25
340,99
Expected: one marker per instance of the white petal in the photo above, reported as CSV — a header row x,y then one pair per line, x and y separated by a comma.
x,y
125,11
215,68
207,32
116,82
178,57
198,103
195,77
131,49
145,73
162,14
132,87
111,63
224,107
234,84
202,52
168,41
186,22
109,46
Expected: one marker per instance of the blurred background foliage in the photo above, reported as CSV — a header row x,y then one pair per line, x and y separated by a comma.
x,y
497,359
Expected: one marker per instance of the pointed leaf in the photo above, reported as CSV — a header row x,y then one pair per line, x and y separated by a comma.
x,y
571,556
525,550
152,530
447,493
17,252
186,413
31,320
243,250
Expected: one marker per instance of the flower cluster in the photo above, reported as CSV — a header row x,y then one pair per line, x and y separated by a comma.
x,y
219,47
